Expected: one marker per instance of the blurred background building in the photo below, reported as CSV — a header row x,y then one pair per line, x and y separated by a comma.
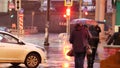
x,y
35,14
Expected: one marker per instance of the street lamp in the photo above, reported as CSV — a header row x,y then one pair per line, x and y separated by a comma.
x,y
46,42
33,13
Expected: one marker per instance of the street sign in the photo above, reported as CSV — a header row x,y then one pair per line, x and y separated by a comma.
x,y
68,2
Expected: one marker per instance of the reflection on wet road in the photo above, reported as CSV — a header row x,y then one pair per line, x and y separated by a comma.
x,y
58,59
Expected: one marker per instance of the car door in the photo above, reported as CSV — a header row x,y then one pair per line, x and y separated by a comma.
x,y
10,50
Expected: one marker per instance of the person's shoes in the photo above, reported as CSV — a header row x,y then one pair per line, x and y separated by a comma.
x,y
90,66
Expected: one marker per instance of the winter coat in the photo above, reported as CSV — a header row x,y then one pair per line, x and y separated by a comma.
x,y
115,39
94,30
79,39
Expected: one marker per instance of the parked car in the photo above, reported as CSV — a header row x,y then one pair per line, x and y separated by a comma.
x,y
15,51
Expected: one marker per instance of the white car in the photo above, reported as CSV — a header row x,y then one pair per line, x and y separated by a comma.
x,y
15,51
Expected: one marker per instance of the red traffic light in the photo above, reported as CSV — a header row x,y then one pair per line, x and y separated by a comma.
x,y
68,11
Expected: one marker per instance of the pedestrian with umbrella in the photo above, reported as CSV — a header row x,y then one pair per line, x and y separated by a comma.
x,y
94,30
79,40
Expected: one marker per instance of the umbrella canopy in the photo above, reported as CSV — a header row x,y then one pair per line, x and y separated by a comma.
x,y
84,21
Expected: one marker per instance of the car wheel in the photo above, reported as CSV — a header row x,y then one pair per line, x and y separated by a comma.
x,y
15,64
32,60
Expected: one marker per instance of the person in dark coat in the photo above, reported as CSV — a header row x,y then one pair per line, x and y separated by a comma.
x,y
109,33
94,30
115,38
79,40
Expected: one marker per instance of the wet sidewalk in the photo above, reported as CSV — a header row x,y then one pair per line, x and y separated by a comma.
x,y
56,52
58,59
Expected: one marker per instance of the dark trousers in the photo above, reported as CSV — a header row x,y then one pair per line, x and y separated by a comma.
x,y
79,60
91,58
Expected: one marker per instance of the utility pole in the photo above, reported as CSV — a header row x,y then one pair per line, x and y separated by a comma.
x,y
100,14
114,4
80,8
68,10
46,42
68,4
17,8
113,19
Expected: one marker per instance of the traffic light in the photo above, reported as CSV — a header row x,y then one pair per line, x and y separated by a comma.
x,y
68,11
17,5
86,13
11,13
68,2
85,10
